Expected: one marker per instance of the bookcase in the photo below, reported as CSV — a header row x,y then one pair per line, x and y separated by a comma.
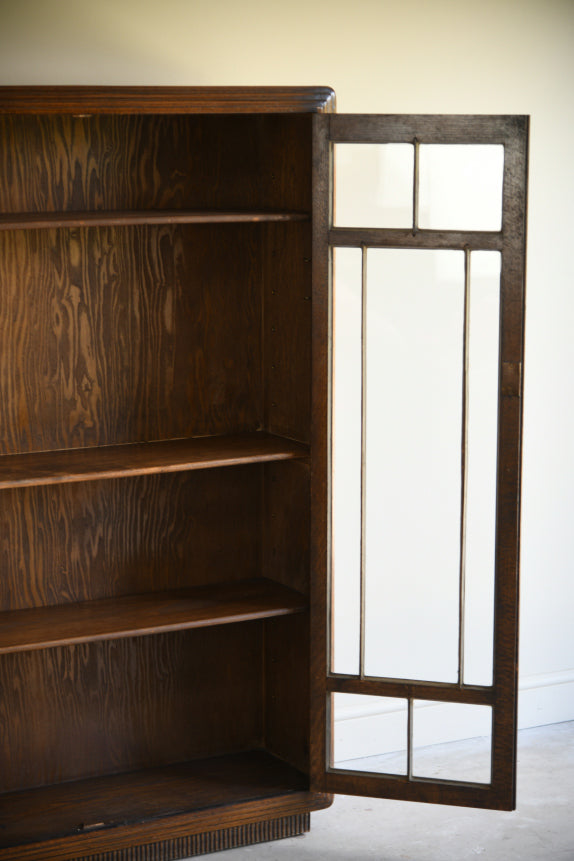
x,y
164,469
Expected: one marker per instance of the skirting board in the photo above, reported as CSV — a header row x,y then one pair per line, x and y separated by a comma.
x,y
372,728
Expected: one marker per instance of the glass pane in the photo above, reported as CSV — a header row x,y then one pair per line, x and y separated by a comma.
x,y
374,185
482,427
460,187
346,537
370,733
415,303
452,741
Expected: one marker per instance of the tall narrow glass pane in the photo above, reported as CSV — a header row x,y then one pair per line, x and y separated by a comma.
x,y
481,457
415,309
374,185
346,541
370,733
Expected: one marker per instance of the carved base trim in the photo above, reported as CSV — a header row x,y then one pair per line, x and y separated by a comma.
x,y
211,841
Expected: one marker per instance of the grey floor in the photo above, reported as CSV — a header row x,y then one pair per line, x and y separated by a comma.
x,y
541,829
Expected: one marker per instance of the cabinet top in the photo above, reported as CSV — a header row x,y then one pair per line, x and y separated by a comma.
x,y
166,100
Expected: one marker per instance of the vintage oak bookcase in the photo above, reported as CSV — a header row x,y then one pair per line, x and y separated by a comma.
x,y
165,353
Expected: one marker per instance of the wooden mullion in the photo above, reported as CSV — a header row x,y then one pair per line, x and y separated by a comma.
x,y
471,694
381,237
400,788
426,128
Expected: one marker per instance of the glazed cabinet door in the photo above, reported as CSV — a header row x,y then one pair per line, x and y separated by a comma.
x,y
418,304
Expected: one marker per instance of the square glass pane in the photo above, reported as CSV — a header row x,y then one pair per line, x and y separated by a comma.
x,y
370,733
460,187
452,741
374,185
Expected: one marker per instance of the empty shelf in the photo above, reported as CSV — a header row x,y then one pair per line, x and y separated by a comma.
x,y
100,803
50,220
88,464
148,613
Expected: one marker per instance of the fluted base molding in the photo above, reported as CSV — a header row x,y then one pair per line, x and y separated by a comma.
x,y
211,841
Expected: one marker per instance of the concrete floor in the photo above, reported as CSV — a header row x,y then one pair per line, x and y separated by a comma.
x,y
541,829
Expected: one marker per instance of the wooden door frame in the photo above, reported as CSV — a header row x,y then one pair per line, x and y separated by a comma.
x,y
512,133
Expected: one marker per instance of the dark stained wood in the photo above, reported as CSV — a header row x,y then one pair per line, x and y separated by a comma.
x,y
263,818
106,707
512,133
55,164
287,309
93,540
55,467
285,521
286,552
321,448
426,128
136,330
28,220
166,100
125,799
286,689
147,613
378,237
286,281
116,335
508,490
153,330
285,162
424,791
412,690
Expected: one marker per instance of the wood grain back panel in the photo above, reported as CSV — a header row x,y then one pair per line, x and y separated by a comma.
x,y
125,334
73,163
80,542
112,335
120,705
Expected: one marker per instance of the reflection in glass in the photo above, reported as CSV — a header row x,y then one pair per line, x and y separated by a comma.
x,y
346,449
460,187
452,741
370,733
481,457
415,307
374,185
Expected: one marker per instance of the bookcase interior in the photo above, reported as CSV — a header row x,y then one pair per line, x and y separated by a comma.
x,y
155,286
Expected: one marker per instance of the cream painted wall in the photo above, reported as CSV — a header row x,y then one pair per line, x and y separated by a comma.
x,y
493,56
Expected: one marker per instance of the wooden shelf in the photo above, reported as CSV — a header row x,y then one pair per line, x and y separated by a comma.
x,y
89,464
101,803
50,220
148,613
